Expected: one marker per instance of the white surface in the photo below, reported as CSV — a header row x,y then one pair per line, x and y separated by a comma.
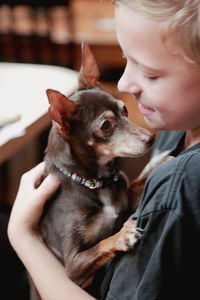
x,y
23,91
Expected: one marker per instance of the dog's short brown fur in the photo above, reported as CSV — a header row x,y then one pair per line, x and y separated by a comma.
x,y
90,129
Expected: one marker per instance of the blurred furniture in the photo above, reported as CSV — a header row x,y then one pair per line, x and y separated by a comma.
x,y
93,22
22,92
35,32
49,34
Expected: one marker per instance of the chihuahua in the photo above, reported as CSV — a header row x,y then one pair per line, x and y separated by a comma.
x,y
85,223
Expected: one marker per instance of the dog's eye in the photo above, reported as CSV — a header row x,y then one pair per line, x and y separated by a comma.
x,y
106,126
125,111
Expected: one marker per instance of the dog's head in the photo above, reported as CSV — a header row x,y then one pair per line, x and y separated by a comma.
x,y
93,122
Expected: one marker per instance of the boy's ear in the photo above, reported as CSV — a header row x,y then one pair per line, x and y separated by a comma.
x,y
61,110
89,73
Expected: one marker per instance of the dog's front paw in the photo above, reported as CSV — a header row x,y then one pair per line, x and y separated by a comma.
x,y
128,236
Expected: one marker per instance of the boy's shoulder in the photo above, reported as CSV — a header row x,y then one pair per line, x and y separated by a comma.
x,y
168,139
174,182
183,166
168,143
179,170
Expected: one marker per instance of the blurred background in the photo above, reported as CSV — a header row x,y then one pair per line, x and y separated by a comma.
x,y
48,32
39,39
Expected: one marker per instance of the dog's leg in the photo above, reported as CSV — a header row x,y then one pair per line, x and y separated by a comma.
x,y
84,264
135,191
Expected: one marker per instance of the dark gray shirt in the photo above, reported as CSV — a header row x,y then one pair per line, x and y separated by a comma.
x,y
166,263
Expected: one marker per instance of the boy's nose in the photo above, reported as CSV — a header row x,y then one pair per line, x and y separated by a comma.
x,y
126,84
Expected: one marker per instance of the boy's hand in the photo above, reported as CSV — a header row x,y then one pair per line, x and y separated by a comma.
x,y
29,203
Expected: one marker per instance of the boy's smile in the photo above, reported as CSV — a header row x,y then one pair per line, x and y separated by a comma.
x,y
145,110
166,86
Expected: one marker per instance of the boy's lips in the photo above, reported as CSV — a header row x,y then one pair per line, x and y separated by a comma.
x,y
145,110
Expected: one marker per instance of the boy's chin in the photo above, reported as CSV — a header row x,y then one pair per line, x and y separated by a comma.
x,y
155,126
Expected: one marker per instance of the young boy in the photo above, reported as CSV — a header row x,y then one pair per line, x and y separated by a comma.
x,y
160,41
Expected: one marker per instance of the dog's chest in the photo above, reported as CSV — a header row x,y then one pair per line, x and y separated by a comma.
x,y
84,216
108,218
109,210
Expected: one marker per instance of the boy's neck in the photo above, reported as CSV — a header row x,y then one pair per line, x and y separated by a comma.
x,y
192,137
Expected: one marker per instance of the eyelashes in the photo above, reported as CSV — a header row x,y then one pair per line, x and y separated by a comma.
x,y
151,77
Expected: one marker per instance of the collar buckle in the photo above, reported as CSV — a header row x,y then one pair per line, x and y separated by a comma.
x,y
93,184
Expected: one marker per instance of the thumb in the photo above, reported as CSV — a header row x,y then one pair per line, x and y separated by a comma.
x,y
49,185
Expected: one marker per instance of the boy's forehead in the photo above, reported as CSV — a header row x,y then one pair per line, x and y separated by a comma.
x,y
130,17
142,43
134,24
138,34
178,22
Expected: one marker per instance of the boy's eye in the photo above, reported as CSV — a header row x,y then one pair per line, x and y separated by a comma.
x,y
151,77
106,126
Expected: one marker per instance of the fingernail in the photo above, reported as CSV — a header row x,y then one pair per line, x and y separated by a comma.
x,y
137,235
140,230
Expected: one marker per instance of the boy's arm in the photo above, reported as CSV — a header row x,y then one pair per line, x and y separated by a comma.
x,y
46,271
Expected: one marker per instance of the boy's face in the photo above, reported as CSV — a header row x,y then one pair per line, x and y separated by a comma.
x,y
166,87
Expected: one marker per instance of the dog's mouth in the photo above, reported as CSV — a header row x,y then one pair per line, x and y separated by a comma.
x,y
148,139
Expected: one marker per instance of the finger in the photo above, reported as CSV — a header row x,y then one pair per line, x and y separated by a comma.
x,y
48,186
36,172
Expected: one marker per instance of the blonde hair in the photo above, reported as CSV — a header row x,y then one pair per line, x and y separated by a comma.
x,y
180,22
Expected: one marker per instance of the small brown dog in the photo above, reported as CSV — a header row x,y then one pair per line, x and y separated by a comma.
x,y
90,129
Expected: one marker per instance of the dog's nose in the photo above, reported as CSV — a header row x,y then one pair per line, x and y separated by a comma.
x,y
148,138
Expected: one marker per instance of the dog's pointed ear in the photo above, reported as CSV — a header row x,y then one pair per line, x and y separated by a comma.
x,y
61,109
89,73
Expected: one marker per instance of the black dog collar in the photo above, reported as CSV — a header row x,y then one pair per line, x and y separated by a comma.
x,y
99,183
